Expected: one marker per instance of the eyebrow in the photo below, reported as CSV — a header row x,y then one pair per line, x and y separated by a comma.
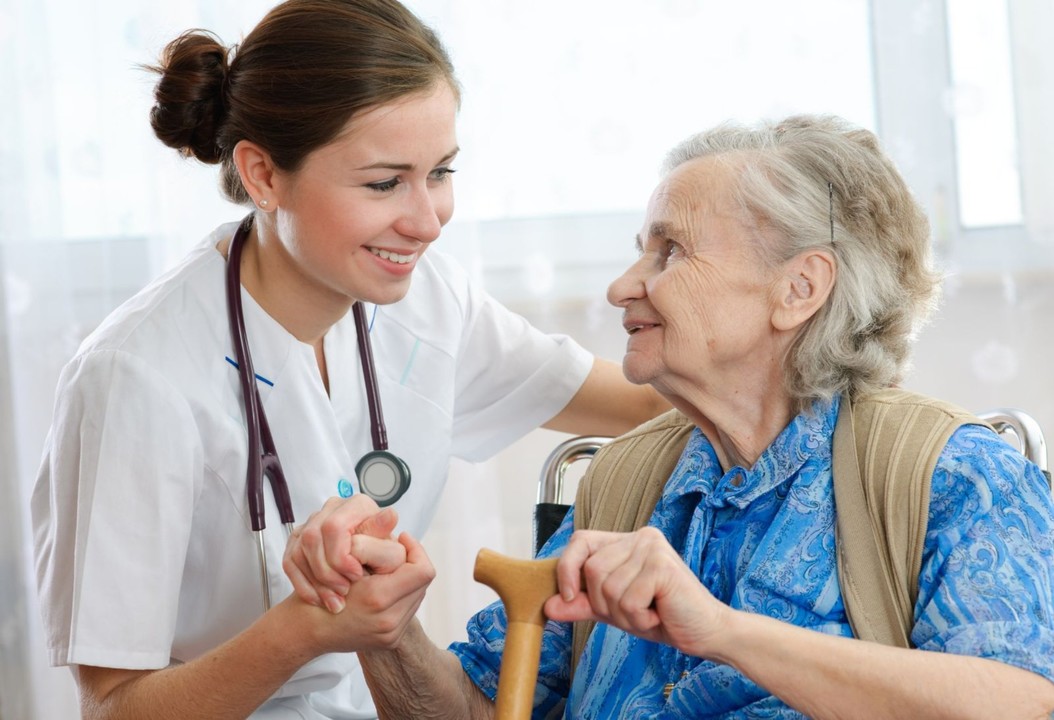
x,y
406,167
662,230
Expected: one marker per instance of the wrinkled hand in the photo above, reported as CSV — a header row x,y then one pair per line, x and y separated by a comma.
x,y
341,544
636,582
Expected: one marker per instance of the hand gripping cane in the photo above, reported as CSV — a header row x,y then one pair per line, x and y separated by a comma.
x,y
523,586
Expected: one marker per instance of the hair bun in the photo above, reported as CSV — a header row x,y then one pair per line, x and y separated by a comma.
x,y
189,99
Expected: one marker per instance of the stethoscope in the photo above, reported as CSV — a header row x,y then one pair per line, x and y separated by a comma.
x,y
382,475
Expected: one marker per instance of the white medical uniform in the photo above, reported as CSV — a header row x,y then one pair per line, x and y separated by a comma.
x,y
144,551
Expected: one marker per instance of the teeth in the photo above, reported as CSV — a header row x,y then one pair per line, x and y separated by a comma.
x,y
393,257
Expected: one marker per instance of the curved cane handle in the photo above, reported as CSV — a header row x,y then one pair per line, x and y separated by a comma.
x,y
523,586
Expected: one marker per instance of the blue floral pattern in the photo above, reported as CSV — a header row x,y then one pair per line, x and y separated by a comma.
x,y
762,540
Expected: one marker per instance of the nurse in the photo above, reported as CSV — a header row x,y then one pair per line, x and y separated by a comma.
x,y
333,121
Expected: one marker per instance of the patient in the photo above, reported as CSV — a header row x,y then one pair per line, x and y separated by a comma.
x,y
782,273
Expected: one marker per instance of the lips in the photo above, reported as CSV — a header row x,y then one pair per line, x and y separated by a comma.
x,y
633,327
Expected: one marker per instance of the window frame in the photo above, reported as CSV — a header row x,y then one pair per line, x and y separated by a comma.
x,y
912,78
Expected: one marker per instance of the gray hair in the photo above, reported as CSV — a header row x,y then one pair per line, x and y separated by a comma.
x,y
798,177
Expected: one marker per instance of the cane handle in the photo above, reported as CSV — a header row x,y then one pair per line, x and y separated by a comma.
x,y
523,586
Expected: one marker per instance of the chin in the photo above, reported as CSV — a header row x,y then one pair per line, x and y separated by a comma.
x,y
387,296
636,372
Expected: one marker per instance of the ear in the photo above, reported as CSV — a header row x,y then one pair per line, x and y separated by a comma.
x,y
257,172
803,288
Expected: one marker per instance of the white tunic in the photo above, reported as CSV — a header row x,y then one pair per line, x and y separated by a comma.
x,y
144,551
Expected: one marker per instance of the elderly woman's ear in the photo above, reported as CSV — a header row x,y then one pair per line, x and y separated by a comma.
x,y
802,289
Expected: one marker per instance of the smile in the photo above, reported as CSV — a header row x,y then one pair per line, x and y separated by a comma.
x,y
393,257
633,329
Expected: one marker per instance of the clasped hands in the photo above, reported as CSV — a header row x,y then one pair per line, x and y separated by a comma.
x,y
346,554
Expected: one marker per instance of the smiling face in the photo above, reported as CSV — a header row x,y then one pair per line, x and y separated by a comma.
x,y
354,219
698,303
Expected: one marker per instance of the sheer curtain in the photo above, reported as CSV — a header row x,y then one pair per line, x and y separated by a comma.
x,y
567,111
90,210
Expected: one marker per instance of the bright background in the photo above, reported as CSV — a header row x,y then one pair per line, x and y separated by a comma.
x,y
568,109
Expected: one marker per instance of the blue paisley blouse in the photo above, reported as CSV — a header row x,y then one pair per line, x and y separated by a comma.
x,y
762,540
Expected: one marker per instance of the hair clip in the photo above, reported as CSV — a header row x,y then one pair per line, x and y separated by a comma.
x,y
830,205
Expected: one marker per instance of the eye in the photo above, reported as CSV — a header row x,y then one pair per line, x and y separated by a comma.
x,y
384,185
441,174
673,251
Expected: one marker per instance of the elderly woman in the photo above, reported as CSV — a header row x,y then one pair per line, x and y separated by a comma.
x,y
782,272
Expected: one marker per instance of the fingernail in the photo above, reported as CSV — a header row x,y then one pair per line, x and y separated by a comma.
x,y
568,595
335,604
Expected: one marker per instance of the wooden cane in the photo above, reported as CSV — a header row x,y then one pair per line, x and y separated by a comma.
x,y
523,586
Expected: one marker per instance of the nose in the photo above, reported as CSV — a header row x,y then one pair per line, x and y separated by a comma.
x,y
628,286
425,213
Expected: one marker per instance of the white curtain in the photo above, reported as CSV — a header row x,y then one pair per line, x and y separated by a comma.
x,y
568,108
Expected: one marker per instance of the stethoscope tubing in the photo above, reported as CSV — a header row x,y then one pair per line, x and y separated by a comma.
x,y
263,457
378,432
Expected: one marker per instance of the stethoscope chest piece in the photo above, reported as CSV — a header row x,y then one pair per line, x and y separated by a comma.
x,y
382,476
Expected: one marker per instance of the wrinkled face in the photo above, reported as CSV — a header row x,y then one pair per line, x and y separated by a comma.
x,y
698,302
358,214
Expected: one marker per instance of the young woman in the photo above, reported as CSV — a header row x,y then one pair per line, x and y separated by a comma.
x,y
334,120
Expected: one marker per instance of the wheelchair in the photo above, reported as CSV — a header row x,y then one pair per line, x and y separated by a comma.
x,y
1015,426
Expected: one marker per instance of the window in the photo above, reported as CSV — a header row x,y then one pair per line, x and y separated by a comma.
x,y
981,104
964,107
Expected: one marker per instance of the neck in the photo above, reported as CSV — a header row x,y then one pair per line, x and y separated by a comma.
x,y
739,422
305,309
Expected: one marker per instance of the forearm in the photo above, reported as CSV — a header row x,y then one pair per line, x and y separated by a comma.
x,y
608,404
833,677
230,681
419,681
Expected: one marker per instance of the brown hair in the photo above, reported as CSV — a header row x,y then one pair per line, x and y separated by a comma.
x,y
294,83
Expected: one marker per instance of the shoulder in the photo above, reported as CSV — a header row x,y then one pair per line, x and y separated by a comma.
x,y
175,325
664,433
975,472
900,433
190,292
906,404
980,473
627,476
671,423
120,395
984,490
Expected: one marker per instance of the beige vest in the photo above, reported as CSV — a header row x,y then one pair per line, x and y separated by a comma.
x,y
881,492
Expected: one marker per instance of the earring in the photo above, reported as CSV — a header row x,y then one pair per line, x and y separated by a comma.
x,y
263,203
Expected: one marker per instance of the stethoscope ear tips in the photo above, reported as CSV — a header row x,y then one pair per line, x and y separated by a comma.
x,y
383,476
